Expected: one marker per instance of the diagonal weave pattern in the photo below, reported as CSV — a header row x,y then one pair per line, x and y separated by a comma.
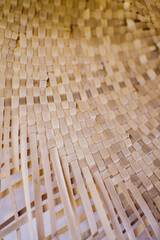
x,y
79,119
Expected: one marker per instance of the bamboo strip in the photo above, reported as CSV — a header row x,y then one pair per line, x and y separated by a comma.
x,y
23,139
101,212
144,207
37,189
65,168
16,225
49,185
119,207
1,125
7,165
15,151
84,197
125,192
64,194
108,205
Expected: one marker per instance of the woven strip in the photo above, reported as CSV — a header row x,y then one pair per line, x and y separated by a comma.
x,y
79,119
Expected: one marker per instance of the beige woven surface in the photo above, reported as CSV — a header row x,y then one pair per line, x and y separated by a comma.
x,y
79,119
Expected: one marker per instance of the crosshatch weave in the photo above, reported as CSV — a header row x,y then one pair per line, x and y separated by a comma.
x,y
79,119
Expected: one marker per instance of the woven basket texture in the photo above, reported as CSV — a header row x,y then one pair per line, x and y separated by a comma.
x,y
79,119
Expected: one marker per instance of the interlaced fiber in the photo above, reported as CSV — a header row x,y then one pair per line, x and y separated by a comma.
x,y
79,119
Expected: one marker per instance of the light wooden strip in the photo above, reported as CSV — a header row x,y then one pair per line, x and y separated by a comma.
x,y
15,153
69,186
48,182
64,194
119,207
157,202
2,175
45,208
84,197
24,169
36,184
1,123
144,208
23,220
108,204
98,203
126,194
18,223
7,164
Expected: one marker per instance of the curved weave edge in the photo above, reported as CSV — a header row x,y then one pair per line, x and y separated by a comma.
x,y
79,119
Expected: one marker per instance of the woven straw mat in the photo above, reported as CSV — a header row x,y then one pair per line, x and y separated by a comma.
x,y
79,119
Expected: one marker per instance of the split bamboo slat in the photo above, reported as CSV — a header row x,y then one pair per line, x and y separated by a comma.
x,y
79,119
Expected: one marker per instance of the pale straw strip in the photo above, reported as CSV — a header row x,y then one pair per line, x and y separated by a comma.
x,y
119,207
15,153
64,194
144,208
98,203
48,182
108,205
37,188
12,227
84,197
24,169
1,124
126,194
7,164
65,168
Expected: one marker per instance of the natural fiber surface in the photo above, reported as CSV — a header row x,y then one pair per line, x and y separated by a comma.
x,y
79,119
